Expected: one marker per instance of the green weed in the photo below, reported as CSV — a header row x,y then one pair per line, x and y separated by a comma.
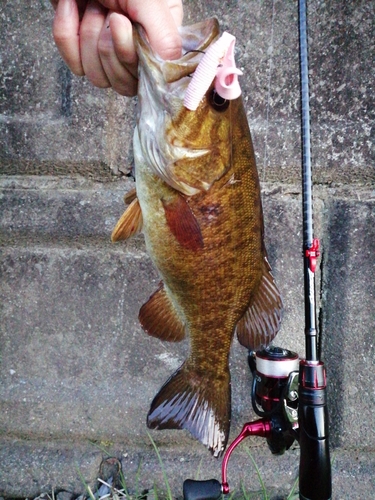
x,y
124,494
169,492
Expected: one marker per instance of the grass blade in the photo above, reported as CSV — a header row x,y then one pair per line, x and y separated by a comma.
x,y
162,467
262,485
123,483
87,487
292,495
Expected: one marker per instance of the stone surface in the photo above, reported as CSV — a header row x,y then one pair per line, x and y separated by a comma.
x,y
349,319
70,303
40,467
29,468
46,114
76,365
69,127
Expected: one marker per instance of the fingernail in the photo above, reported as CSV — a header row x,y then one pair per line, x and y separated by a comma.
x,y
65,8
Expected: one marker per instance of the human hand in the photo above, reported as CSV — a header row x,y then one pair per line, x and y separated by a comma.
x,y
95,37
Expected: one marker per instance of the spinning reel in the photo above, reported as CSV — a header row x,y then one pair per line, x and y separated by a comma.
x,y
274,394
284,392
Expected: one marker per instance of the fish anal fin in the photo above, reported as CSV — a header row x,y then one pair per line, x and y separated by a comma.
x,y
196,403
130,223
261,322
182,222
159,318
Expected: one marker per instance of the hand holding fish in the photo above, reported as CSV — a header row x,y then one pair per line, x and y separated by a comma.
x,y
95,37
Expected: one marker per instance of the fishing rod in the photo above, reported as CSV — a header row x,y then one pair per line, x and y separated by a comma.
x,y
315,465
287,393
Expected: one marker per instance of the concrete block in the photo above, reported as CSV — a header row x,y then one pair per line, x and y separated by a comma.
x,y
52,210
349,319
28,469
70,304
68,126
49,115
340,46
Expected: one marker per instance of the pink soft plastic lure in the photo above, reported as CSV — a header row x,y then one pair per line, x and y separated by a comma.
x,y
218,62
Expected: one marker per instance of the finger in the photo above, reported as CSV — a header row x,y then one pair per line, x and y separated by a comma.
x,y
130,7
122,36
160,20
176,9
66,34
92,24
117,72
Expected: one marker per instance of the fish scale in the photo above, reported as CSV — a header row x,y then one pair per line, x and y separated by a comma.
x,y
199,207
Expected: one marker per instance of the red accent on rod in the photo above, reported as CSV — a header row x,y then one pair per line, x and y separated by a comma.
x,y
313,253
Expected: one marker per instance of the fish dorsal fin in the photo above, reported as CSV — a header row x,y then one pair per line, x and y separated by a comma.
x,y
182,222
261,321
160,319
130,223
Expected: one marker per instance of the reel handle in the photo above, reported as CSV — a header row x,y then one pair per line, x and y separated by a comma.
x,y
201,490
315,464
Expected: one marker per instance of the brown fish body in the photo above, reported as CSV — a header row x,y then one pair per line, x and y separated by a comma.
x,y
211,284
204,232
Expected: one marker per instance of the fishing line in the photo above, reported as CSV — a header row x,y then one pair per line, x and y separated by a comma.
x,y
195,51
268,94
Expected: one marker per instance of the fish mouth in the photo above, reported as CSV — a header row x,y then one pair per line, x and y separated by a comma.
x,y
160,139
166,73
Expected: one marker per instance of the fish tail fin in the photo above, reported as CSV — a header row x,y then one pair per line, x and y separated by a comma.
x,y
198,403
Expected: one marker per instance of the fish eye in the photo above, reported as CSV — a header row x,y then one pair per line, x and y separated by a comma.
x,y
217,102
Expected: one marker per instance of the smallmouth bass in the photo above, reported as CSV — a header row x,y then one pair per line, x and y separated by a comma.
x,y
198,204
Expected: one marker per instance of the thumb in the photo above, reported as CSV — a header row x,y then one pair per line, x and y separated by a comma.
x,y
160,20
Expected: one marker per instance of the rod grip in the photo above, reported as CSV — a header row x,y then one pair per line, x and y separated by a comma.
x,y
315,465
201,490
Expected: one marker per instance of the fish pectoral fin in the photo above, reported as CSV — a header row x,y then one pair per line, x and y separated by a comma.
x,y
182,222
159,318
261,322
130,223
130,196
197,403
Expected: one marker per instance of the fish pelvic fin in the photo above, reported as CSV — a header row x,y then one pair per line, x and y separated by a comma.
x,y
130,223
261,322
160,319
197,403
182,222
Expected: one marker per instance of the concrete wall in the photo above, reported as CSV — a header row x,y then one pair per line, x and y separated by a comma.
x,y
77,373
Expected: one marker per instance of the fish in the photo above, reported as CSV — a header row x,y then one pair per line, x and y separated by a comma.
x,y
198,203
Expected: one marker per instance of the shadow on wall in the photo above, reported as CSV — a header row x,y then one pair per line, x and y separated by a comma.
x,y
348,320
333,310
